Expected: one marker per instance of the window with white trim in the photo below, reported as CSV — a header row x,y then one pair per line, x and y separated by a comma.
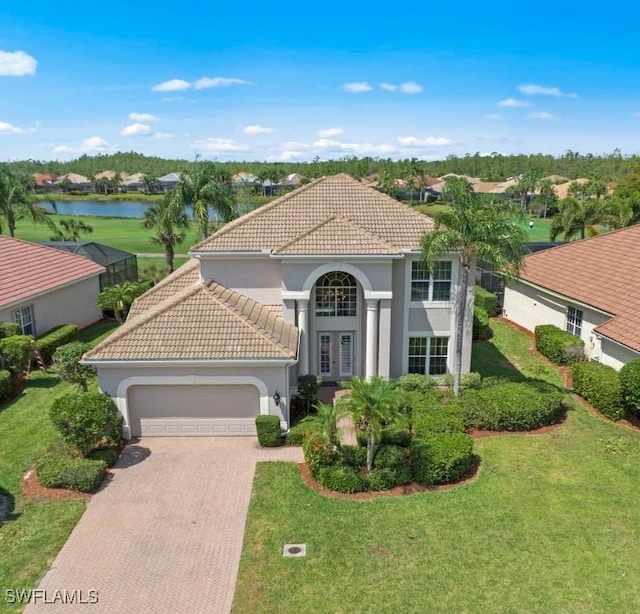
x,y
428,355
574,321
336,295
431,287
24,317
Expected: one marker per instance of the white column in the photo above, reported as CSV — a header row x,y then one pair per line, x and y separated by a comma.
x,y
303,327
370,366
384,338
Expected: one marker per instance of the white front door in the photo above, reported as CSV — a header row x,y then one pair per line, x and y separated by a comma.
x,y
346,354
325,354
335,348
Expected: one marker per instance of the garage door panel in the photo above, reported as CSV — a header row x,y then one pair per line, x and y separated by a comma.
x,y
193,410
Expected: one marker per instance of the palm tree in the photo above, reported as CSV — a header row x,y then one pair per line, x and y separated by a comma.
x,y
119,298
547,198
476,228
576,217
149,183
168,221
324,421
73,229
372,403
16,203
205,187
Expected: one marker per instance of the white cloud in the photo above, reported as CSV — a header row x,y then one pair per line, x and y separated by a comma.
x,y
172,98
493,116
636,114
542,115
513,102
430,141
356,148
164,135
17,64
6,128
533,89
207,82
293,145
357,87
96,143
63,149
219,145
136,129
408,87
257,129
142,117
329,132
174,85
288,155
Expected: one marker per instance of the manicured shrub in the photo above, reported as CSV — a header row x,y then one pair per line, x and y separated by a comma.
x,y
67,361
342,479
630,386
431,419
268,430
486,300
15,352
59,468
414,382
600,385
53,339
108,455
481,328
354,456
9,329
559,346
384,479
5,384
85,420
394,459
441,458
396,436
319,452
512,406
296,434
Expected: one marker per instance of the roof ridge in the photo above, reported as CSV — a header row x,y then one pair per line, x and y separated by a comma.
x,y
307,232
238,314
257,212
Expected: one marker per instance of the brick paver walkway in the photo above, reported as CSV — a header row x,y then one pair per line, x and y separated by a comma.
x,y
165,535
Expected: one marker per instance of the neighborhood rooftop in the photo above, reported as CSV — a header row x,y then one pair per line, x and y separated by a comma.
x,y
603,272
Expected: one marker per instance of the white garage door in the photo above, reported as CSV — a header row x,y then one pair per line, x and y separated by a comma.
x,y
192,410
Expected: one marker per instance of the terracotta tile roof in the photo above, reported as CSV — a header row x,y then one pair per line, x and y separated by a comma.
x,y
202,322
186,275
337,235
602,271
28,269
562,189
290,217
486,187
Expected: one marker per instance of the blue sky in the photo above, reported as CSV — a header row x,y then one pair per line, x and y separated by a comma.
x,y
290,81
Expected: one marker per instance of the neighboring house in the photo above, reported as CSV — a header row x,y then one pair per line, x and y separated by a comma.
x,y
168,182
41,287
73,181
119,266
590,288
324,280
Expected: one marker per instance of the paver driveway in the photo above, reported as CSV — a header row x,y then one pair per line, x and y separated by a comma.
x,y
165,535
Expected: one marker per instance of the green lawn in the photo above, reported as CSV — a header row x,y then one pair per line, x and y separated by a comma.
x,y
550,525
122,233
36,530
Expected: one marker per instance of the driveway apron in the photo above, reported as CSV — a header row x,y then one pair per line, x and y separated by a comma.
x,y
164,534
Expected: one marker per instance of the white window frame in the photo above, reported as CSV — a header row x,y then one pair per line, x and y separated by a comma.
x,y
427,355
419,275
573,321
24,316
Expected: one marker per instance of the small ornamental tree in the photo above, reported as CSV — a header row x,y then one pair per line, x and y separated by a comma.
x,y
86,420
15,352
308,386
67,362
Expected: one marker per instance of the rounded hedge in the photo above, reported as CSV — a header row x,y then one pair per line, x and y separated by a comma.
x,y
430,419
108,455
630,386
342,478
600,385
268,430
60,468
441,458
319,452
5,384
512,406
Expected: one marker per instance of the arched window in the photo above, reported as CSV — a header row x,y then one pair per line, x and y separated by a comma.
x,y
336,294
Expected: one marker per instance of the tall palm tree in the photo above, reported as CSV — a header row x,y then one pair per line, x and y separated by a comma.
x,y
202,188
476,228
372,403
168,221
576,217
16,203
119,298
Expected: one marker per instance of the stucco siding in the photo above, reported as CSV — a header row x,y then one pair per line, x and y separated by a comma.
x,y
72,304
616,355
429,320
398,320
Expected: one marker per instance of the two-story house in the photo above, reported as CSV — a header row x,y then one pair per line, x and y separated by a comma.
x,y
324,280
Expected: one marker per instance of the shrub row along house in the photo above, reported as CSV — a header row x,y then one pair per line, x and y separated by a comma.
x,y
590,288
324,280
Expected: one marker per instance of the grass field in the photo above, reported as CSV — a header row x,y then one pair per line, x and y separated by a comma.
x,y
550,524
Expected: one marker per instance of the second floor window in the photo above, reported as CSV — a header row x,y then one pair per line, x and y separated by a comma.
x,y
336,295
434,287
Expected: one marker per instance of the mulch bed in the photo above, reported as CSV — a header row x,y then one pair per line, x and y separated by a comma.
x,y
32,488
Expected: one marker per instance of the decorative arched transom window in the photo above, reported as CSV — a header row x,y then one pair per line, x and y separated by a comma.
x,y
336,294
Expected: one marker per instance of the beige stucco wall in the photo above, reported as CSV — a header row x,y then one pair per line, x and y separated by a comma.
x,y
616,355
72,304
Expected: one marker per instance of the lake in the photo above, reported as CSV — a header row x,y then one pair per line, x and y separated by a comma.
x,y
114,208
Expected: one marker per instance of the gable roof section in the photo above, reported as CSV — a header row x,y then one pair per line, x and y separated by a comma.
x,y
293,217
202,322
603,272
28,270
186,275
